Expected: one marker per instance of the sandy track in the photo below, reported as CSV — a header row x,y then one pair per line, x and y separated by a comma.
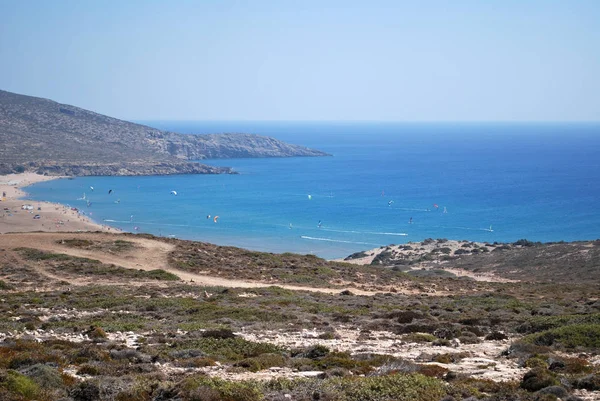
x,y
147,255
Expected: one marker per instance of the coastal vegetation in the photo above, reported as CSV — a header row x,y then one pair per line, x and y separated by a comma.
x,y
75,328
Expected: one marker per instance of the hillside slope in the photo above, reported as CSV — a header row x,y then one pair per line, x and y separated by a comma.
x,y
38,133
526,261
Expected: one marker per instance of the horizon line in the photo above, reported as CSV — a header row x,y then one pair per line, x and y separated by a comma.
x,y
377,121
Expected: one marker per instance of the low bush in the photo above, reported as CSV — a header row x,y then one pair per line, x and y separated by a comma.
x,y
34,254
462,252
160,274
525,242
96,332
433,371
569,365
396,387
495,336
398,366
589,382
419,338
5,286
89,369
314,352
537,379
404,316
18,383
357,255
76,242
203,388
218,333
263,361
536,362
573,336
557,392
417,328
85,391
230,349
541,323
45,376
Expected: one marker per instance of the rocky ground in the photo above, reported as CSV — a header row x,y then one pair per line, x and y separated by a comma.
x,y
100,316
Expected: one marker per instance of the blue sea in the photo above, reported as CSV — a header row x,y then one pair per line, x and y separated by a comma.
x,y
385,183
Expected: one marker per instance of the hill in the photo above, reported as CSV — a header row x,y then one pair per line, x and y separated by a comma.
x,y
100,316
523,260
49,137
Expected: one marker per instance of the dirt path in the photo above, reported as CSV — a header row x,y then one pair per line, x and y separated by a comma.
x,y
147,255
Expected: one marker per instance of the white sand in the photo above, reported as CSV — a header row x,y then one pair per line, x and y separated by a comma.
x,y
53,217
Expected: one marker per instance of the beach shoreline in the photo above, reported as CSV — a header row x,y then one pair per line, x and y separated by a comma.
x,y
21,215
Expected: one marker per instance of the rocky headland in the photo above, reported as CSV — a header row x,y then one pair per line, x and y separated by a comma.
x,y
40,135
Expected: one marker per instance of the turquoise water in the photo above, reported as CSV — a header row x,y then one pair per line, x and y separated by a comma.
x,y
534,181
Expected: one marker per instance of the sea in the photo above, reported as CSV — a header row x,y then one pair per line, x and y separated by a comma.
x,y
384,183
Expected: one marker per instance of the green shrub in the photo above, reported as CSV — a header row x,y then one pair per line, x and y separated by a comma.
x,y
541,323
34,254
160,274
337,360
538,378
76,242
5,286
43,375
231,349
396,387
314,352
573,336
261,362
197,362
123,245
211,388
419,338
20,384
536,362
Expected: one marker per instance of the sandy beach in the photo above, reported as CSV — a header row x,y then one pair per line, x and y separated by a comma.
x,y
39,216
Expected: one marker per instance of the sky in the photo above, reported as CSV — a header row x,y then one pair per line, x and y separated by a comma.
x,y
454,60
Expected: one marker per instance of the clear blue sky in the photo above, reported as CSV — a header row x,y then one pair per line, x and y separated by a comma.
x,y
448,60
